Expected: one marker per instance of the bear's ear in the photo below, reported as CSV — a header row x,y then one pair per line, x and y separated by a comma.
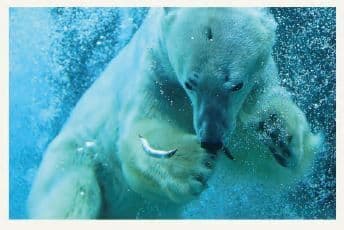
x,y
169,10
268,26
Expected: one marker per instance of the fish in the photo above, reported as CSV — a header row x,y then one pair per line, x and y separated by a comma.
x,y
169,153
228,153
155,152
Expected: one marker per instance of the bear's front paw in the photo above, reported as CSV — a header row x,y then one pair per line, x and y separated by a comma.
x,y
178,178
188,173
280,141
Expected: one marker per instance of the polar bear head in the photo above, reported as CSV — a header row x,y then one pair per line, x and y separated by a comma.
x,y
216,54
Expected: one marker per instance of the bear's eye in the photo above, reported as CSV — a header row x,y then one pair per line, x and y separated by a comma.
x,y
237,87
191,83
209,34
188,86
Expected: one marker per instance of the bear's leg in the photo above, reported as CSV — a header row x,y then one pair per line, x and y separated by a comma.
x,y
286,132
176,179
282,127
75,195
274,135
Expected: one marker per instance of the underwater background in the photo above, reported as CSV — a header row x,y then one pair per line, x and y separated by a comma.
x,y
56,54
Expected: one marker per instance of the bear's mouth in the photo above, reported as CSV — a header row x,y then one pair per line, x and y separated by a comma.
x,y
169,153
224,149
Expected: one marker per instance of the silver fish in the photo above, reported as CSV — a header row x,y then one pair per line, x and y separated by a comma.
x,y
155,152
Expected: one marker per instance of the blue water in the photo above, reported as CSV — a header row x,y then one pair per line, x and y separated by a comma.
x,y
56,53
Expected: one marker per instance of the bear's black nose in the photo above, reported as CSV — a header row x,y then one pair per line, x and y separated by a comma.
x,y
212,146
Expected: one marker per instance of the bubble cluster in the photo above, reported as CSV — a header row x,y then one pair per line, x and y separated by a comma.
x,y
305,52
73,47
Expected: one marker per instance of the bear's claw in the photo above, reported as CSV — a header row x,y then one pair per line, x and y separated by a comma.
x,y
200,178
275,136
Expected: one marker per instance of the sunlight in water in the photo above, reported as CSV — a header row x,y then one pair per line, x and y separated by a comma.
x,y
56,54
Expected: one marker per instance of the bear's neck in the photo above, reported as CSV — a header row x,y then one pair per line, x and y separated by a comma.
x,y
164,94
161,96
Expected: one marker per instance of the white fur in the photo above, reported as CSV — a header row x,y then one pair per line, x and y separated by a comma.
x,y
142,92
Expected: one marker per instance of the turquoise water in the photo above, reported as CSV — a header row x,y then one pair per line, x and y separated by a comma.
x,y
56,53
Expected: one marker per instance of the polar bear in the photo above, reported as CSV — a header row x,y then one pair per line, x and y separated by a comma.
x,y
192,86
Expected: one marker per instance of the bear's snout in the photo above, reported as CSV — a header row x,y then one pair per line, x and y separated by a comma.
x,y
211,146
211,122
211,136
